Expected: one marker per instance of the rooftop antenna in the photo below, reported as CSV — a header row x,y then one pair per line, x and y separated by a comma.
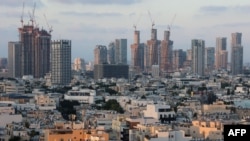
x,y
22,15
152,22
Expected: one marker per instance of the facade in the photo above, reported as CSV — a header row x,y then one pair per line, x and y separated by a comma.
x,y
14,57
209,59
61,62
236,54
198,56
121,51
100,54
110,70
162,112
35,51
137,53
221,54
111,53
156,71
166,54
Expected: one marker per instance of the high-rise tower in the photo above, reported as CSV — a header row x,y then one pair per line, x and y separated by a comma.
x,y
152,50
137,53
236,54
221,54
100,53
198,56
14,59
61,62
166,53
35,51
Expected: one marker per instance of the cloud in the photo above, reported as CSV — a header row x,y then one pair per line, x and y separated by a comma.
x,y
91,14
99,2
241,24
212,10
19,3
208,9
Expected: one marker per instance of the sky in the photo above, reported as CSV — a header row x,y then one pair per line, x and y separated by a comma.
x,y
88,23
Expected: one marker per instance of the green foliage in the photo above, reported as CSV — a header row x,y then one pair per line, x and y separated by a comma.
x,y
224,84
113,105
66,107
15,138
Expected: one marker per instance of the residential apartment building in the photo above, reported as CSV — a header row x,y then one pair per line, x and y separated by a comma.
x,y
14,59
61,62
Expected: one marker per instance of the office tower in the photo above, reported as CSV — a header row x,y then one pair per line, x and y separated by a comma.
x,y
166,53
14,59
35,51
198,56
100,54
209,59
236,54
79,64
179,57
111,53
221,54
61,62
121,51
137,53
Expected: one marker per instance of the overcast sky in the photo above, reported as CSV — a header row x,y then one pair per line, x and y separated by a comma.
x,y
98,22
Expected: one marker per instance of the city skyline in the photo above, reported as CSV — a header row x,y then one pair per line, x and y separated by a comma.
x,y
89,23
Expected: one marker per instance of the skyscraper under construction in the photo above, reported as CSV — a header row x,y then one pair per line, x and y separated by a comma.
x,y
35,51
35,46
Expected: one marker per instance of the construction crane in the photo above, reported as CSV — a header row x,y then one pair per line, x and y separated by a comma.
x,y
152,22
49,27
32,15
22,15
171,23
135,24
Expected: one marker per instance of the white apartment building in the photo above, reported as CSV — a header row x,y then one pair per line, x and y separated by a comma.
x,y
82,95
159,111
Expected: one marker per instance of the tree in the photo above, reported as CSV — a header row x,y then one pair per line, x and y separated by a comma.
x,y
112,104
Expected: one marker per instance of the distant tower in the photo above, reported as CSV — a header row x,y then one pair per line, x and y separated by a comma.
x,y
166,53
198,56
14,59
35,52
221,54
121,51
179,57
111,53
137,53
209,59
79,64
153,50
100,54
61,62
236,54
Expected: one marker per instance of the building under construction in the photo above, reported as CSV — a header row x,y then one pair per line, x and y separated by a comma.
x,y
35,49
